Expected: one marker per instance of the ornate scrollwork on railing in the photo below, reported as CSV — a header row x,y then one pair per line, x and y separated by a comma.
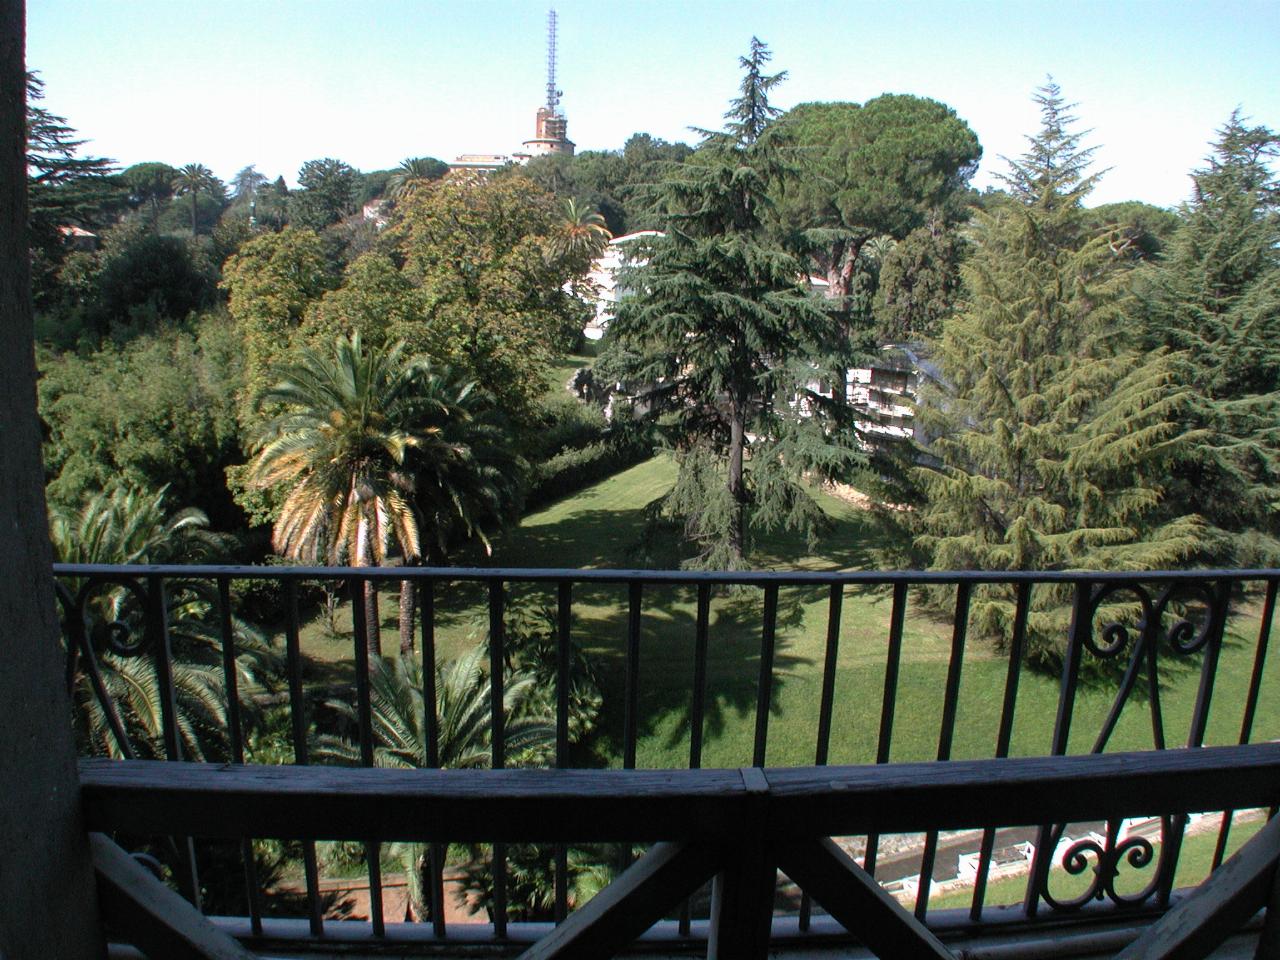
x,y
1143,639
1183,636
118,624
96,621
1106,859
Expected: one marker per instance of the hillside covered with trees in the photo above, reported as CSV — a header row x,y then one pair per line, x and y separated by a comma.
x,y
371,369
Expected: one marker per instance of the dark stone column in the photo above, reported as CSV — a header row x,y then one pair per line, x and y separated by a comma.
x,y
48,904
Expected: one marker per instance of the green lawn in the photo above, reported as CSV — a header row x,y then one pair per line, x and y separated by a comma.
x,y
602,525
559,373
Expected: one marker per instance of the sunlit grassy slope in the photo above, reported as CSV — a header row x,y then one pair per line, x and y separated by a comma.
x,y
602,527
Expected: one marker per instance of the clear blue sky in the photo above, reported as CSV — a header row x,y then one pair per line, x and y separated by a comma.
x,y
278,82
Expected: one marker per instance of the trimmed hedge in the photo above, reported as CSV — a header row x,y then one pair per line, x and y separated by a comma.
x,y
571,470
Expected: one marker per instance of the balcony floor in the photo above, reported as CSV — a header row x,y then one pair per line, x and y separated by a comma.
x,y
1077,946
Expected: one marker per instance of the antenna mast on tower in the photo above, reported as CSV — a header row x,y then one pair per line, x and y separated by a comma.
x,y
553,95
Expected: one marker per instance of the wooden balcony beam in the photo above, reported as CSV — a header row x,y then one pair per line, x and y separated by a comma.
x,y
152,917
293,802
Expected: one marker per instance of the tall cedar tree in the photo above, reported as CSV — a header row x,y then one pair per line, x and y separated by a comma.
x,y
1216,296
63,189
1053,433
722,333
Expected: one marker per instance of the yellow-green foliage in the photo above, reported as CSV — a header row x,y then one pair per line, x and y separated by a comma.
x,y
489,267
269,282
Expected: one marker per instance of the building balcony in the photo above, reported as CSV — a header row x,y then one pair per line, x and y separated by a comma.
x,y
1076,845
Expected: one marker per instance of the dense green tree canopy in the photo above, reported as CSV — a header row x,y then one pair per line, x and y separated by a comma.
x,y
917,284
375,300
1053,432
1142,231
150,186
496,294
138,281
158,412
721,338
1216,296
270,282
884,167
327,193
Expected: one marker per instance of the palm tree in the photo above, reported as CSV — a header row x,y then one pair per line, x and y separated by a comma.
x,y
125,525
342,448
129,525
466,490
463,715
879,247
192,180
582,233
412,173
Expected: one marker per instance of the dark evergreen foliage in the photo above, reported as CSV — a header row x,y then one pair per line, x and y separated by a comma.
x,y
327,194
721,330
1053,432
918,283
1216,297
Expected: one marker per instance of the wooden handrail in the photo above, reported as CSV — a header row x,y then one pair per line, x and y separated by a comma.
x,y
524,805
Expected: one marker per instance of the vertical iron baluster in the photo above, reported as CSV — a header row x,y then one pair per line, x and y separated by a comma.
x,y
564,611
497,676
157,632
1218,613
1209,667
631,700
1081,626
631,697
297,716
1259,662
1004,735
1250,705
698,706
497,740
157,628
892,660
230,676
764,685
564,616
364,714
118,733
826,707
431,726
430,696
950,704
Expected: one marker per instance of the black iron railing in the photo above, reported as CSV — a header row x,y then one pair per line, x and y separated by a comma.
x,y
1126,635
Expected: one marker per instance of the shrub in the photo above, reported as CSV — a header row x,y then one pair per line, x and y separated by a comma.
x,y
572,470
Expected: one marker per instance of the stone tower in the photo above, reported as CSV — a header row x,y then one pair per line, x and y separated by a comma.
x,y
551,129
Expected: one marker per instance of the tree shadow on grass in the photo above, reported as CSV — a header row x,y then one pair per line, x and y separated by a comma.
x,y
666,668
850,541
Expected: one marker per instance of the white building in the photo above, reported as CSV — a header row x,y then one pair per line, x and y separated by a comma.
x,y
604,277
